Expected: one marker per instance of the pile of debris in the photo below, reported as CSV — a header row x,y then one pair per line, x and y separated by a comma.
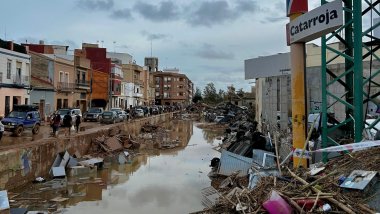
x,y
106,146
156,137
226,113
347,184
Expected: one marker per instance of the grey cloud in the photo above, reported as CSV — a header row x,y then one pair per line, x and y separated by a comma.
x,y
274,19
247,6
96,4
218,12
122,14
153,36
208,52
165,11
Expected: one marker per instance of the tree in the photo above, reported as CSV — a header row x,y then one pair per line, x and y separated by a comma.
x,y
197,96
240,93
209,94
222,95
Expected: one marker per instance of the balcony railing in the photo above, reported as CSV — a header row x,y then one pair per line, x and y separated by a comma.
x,y
20,80
83,83
137,94
138,82
65,86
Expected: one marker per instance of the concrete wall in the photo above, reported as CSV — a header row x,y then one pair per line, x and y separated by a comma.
x,y
37,95
21,165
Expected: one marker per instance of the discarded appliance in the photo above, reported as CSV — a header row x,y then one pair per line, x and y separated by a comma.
x,y
98,162
231,162
58,172
360,180
61,160
255,175
264,158
210,196
18,210
4,202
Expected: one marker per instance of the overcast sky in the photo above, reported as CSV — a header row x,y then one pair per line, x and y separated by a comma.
x,y
207,40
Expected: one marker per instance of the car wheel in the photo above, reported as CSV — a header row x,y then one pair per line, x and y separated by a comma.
x,y
18,131
36,129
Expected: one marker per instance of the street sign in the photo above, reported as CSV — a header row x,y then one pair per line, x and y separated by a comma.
x,y
316,23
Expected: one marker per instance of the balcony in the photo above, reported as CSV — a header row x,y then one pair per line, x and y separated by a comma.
x,y
138,82
20,80
137,94
83,84
65,86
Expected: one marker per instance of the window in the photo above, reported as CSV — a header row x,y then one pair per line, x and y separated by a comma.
x,y
9,68
66,77
181,79
61,76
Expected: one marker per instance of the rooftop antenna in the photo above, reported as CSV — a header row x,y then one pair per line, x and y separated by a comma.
x,y
102,43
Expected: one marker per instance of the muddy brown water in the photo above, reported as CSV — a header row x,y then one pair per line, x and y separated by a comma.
x,y
164,181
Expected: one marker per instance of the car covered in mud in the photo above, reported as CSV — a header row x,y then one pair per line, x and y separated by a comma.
x,y
21,118
93,114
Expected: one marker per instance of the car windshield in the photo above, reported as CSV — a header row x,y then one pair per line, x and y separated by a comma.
x,y
115,109
17,114
94,110
63,111
107,113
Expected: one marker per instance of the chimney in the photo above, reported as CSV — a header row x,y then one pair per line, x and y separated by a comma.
x,y
10,45
41,42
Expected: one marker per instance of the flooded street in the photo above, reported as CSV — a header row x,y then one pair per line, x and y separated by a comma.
x,y
156,181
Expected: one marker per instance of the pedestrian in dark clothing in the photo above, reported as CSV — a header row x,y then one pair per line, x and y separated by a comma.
x,y
77,122
56,123
67,123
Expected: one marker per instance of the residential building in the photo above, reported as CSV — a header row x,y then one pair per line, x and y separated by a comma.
x,y
172,88
135,76
14,76
42,83
101,67
64,81
151,63
117,76
83,74
273,85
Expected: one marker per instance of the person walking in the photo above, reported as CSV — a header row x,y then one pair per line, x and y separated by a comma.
x,y
67,123
56,123
77,122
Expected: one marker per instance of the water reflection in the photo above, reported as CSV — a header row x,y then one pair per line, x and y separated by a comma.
x,y
210,135
165,181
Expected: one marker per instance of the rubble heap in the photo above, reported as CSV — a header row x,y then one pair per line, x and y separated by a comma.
x,y
302,191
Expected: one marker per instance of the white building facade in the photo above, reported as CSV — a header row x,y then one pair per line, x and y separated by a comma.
x,y
14,79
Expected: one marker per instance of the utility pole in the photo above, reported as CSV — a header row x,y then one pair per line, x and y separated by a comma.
x,y
295,9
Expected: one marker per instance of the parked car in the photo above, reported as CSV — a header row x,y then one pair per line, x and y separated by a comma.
x,y
71,111
22,117
1,130
139,112
155,110
93,114
123,115
120,113
110,117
